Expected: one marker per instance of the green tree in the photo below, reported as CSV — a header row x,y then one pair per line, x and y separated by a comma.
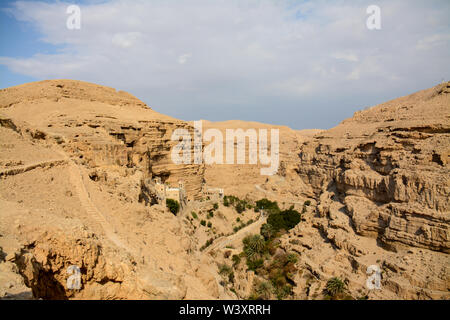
x,y
284,220
268,206
173,205
267,231
291,218
253,246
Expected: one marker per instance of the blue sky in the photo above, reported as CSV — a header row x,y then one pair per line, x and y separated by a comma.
x,y
16,41
305,64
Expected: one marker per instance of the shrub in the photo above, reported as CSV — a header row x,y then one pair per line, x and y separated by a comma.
x,y
194,215
209,224
284,291
224,269
210,214
236,260
292,258
335,287
215,206
173,205
277,277
231,277
307,203
254,264
207,244
203,223
265,290
238,204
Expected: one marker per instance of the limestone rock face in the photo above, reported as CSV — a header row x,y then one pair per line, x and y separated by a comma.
x,y
390,166
101,127
74,156
382,184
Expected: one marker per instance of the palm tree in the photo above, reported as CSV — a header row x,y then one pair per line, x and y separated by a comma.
x,y
267,230
335,286
253,245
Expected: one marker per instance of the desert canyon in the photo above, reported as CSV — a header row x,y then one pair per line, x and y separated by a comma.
x,y
78,163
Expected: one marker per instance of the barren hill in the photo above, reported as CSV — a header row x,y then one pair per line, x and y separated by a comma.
x,y
241,179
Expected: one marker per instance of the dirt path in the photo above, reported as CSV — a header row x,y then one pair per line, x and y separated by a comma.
x,y
238,236
76,178
29,167
258,187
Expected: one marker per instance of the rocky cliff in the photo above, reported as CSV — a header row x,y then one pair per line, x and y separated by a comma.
x,y
382,184
390,166
73,159
100,127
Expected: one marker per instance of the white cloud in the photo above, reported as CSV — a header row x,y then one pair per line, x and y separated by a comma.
x,y
126,40
242,57
184,57
351,57
434,40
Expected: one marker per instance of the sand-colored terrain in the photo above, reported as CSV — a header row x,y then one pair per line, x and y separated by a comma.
x,y
74,162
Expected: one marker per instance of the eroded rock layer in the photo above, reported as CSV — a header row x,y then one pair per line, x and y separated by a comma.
x,y
390,166
101,127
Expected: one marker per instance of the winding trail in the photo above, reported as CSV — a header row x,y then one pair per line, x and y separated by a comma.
x,y
238,236
76,178
25,168
253,228
258,187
